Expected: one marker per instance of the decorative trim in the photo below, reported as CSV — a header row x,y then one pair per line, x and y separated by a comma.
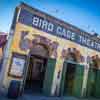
x,y
66,53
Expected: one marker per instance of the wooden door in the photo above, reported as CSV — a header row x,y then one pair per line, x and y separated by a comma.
x,y
50,68
78,81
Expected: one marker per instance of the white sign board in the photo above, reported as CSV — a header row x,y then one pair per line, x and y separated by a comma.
x,y
17,67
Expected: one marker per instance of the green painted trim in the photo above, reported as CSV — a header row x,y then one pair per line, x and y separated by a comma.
x,y
72,62
47,86
90,80
93,83
78,81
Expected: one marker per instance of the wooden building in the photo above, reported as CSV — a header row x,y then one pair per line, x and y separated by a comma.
x,y
49,56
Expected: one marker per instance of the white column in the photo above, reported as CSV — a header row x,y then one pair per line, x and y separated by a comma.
x,y
85,77
86,69
56,80
6,54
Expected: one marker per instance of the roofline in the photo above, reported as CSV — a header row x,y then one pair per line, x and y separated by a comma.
x,y
59,20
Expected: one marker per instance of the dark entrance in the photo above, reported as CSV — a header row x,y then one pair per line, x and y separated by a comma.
x,y
35,75
69,79
36,69
72,75
72,79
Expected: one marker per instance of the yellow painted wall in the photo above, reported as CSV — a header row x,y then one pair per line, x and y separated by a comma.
x,y
63,44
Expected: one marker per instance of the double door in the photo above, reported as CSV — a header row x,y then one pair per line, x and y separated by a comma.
x,y
72,79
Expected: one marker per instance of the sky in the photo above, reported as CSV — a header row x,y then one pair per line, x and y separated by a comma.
x,y
84,14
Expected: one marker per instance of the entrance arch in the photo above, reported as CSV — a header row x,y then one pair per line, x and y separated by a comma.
x,y
38,57
45,50
40,50
72,54
72,75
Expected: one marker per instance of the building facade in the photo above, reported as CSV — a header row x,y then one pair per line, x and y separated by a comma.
x,y
49,56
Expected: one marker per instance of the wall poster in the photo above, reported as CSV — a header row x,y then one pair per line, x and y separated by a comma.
x,y
17,66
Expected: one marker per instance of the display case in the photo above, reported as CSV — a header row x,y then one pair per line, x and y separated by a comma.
x,y
17,65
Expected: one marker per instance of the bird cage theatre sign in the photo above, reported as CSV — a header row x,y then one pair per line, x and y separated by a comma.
x,y
57,28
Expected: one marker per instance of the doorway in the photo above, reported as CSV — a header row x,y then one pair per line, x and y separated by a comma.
x,y
72,79
35,74
69,79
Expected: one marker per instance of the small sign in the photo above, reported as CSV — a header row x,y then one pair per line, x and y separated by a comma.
x,y
17,67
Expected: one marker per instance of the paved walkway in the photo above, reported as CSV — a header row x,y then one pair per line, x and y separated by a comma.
x,y
31,97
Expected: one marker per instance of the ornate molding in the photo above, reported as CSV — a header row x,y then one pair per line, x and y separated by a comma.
x,y
72,54
26,43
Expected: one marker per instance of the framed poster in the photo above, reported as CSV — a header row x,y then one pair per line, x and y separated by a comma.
x,y
17,65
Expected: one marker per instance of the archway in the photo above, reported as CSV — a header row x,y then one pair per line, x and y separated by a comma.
x,y
72,54
38,57
42,51
72,75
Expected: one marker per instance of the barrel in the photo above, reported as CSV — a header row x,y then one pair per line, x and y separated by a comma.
x,y
14,89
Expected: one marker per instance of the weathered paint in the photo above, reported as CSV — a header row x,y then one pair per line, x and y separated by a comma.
x,y
63,44
55,53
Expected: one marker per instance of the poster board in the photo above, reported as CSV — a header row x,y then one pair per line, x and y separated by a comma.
x,y
17,65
